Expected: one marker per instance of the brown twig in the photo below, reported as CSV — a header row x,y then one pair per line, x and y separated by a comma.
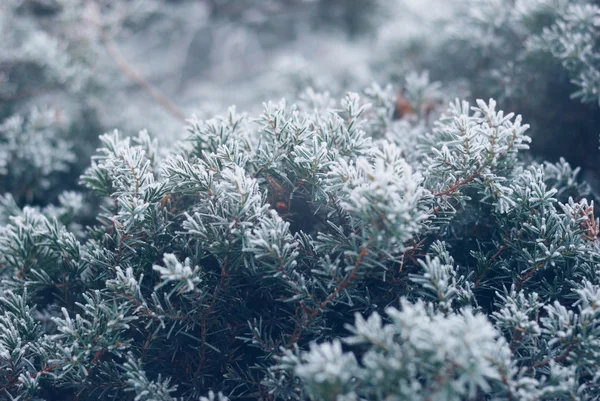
x,y
113,51
301,326
562,357
498,252
363,253
590,225
459,184
528,276
410,254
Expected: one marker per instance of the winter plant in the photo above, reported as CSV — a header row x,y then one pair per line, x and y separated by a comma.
x,y
94,63
539,57
382,245
300,254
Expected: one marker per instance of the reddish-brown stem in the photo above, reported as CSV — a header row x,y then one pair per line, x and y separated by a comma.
x,y
363,253
559,358
458,184
310,313
527,276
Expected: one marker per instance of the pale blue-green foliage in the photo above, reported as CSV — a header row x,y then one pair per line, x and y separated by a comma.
x,y
384,191
96,330
419,355
234,261
31,236
33,152
246,251
478,149
50,52
30,41
327,370
518,310
565,180
274,248
212,397
175,271
18,339
67,210
427,355
157,310
479,152
420,90
496,48
440,279
208,135
573,39
144,388
123,167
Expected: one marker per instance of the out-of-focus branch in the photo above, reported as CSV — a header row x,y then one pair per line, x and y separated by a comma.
x,y
113,51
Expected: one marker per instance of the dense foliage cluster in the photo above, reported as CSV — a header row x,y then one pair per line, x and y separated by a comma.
x,y
216,267
532,56
378,245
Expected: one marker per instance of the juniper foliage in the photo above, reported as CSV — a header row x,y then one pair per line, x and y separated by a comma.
x,y
373,247
101,64
299,255
549,48
33,153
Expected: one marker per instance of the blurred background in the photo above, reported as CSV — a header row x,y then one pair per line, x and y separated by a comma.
x,y
73,69
203,55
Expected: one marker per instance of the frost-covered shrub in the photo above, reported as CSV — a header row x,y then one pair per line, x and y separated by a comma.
x,y
140,64
389,245
536,56
320,250
33,154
